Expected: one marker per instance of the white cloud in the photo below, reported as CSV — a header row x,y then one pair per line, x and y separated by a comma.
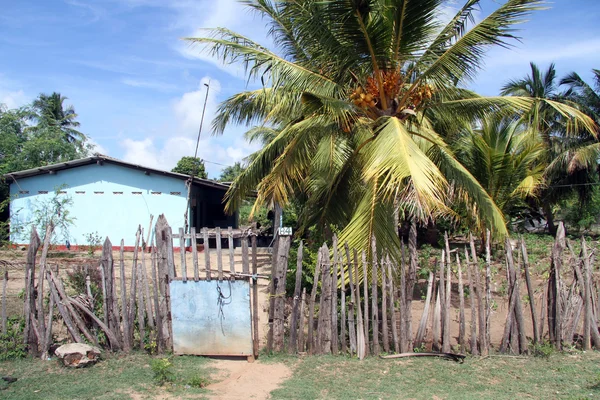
x,y
163,153
13,99
155,85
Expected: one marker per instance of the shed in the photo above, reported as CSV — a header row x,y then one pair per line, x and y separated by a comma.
x,y
111,197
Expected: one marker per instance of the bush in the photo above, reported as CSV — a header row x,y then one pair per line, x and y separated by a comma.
x,y
11,342
198,382
76,281
162,369
542,350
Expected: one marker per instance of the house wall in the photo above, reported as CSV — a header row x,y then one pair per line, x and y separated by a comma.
x,y
109,199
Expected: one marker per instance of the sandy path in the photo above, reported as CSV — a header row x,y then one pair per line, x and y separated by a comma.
x,y
244,380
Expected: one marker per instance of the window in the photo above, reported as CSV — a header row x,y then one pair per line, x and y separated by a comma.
x,y
176,193
25,192
42,192
156,193
98,192
136,193
117,192
80,192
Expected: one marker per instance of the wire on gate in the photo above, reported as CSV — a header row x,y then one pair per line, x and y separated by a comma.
x,y
223,300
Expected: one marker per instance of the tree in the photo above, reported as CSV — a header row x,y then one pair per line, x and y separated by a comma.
x,y
190,166
49,111
570,151
506,160
229,174
354,90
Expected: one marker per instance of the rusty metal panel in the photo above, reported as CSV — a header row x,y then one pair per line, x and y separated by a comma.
x,y
204,326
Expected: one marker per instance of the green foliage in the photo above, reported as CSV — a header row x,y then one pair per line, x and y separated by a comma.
x,y
542,350
93,240
260,216
581,216
55,210
191,166
77,282
162,368
11,342
198,381
229,174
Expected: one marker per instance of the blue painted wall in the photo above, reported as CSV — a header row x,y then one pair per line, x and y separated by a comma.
x,y
103,201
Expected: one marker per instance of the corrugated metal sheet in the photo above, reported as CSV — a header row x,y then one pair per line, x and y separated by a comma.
x,y
203,326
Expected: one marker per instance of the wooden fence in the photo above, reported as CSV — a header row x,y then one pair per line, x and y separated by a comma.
x,y
363,307
135,309
358,304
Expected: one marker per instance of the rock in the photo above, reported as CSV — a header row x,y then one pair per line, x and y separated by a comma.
x,y
78,355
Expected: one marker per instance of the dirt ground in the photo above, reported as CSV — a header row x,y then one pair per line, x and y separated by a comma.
x,y
239,379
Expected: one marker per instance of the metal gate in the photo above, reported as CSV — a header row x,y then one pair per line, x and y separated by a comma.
x,y
211,317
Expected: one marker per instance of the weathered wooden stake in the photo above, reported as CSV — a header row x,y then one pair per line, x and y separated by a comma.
x,y
392,301
411,278
311,307
29,337
530,292
293,345
351,305
220,255
334,299
206,244
366,302
361,344
384,297
473,323
124,314
255,335
301,342
342,270
420,338
461,311
374,297
194,249
279,284
4,285
230,245
483,345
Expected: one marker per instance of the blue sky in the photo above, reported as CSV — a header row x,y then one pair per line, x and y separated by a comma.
x,y
138,88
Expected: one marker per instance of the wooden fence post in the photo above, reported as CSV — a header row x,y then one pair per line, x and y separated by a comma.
x,y
311,307
352,304
324,334
374,297
392,302
361,342
411,278
255,337
530,291
293,345
554,289
334,298
29,337
279,284
124,313
365,301
164,248
461,311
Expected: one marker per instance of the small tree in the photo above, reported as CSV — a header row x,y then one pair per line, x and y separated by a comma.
x,y
191,166
229,174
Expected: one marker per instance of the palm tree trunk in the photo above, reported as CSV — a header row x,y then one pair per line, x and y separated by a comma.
x,y
547,209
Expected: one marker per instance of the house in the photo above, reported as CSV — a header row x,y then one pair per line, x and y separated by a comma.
x,y
111,197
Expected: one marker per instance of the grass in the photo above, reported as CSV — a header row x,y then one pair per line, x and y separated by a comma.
x,y
560,376
116,377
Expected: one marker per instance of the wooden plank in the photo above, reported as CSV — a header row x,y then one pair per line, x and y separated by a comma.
x,y
195,254
420,337
29,338
447,302
182,255
220,254
554,289
62,309
212,233
113,304
334,299
230,244
411,278
147,296
245,260
437,322
279,284
483,344
206,253
442,299
351,305
384,298
361,344
301,342
40,293
255,336
325,331
374,297
293,344
392,302
159,229
461,308
158,316
164,245
311,306
342,270
124,314
48,338
530,291
366,302
472,290
4,285
140,307
488,288
405,335
587,314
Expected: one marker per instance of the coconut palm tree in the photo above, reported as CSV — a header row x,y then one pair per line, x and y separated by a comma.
x,y
506,160
50,111
355,89
570,150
